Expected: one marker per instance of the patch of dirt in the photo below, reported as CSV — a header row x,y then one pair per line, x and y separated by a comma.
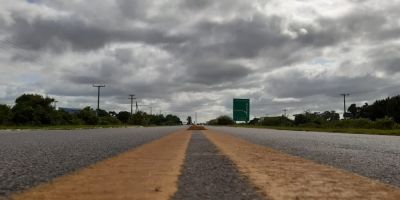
x,y
196,127
148,172
282,176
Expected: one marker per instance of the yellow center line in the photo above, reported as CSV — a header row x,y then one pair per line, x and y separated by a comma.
x,y
148,172
282,176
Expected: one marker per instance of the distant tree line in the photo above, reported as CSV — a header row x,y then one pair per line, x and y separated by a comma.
x,y
221,120
385,108
36,110
382,114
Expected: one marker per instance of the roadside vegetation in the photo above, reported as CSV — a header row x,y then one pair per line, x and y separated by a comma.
x,y
36,111
382,117
221,120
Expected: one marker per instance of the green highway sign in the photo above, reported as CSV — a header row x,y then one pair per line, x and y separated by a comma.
x,y
241,110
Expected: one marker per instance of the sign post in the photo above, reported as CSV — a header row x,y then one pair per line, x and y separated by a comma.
x,y
241,110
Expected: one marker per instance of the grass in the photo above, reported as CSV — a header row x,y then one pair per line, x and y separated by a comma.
x,y
395,132
59,127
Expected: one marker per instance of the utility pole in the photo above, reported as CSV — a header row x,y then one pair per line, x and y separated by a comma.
x,y
195,118
131,97
151,110
98,95
137,107
344,104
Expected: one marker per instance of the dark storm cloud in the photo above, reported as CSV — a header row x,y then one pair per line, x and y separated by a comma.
x,y
259,36
164,50
211,73
57,34
361,23
386,59
106,71
237,38
298,85
245,38
136,9
197,4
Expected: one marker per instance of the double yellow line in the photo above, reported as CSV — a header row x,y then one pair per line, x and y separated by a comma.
x,y
151,172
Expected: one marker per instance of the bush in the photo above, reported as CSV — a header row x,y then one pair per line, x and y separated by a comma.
x,y
213,122
32,109
351,123
123,116
108,120
225,120
5,114
222,120
138,118
385,123
88,116
276,121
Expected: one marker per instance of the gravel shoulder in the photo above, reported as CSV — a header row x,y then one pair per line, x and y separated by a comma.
x,y
28,158
373,156
208,174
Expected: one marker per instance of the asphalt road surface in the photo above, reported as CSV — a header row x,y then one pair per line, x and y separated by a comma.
x,y
373,156
208,174
28,158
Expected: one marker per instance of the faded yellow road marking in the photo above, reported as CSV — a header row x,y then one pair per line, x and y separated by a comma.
x,y
148,172
281,176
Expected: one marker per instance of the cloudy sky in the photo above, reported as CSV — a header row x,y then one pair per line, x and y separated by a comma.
x,y
185,56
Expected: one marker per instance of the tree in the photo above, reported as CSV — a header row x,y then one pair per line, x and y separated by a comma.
x,y
5,114
254,121
139,118
380,109
172,120
112,113
221,120
156,119
276,121
32,109
213,122
353,110
123,116
102,113
330,116
225,120
189,120
314,118
88,115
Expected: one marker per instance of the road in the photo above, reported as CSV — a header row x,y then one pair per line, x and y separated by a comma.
x,y
374,156
28,158
175,163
